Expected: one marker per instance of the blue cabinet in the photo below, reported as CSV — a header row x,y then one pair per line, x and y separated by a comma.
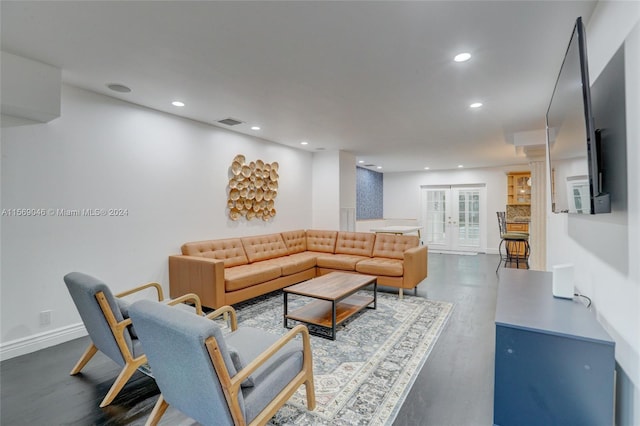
x,y
554,363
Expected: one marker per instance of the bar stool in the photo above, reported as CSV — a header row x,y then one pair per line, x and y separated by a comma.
x,y
516,244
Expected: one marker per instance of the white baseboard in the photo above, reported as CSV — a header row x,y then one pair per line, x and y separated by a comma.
x,y
39,341
484,251
461,253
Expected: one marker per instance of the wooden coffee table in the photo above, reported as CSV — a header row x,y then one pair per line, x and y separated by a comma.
x,y
335,300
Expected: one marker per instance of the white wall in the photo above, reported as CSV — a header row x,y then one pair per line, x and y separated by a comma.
x,y
169,173
347,191
334,190
30,90
325,190
590,243
402,194
347,180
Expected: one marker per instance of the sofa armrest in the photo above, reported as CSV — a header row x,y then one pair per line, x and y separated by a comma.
x,y
415,266
200,275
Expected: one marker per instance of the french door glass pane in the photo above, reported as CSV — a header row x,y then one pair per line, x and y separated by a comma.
x,y
436,223
469,218
451,218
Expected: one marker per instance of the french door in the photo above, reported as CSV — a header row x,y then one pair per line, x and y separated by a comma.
x,y
453,218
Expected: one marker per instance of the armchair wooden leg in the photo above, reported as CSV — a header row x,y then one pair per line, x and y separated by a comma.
x,y
311,393
84,359
123,378
158,410
400,294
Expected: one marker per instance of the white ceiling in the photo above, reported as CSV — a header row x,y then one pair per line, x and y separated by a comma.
x,y
373,78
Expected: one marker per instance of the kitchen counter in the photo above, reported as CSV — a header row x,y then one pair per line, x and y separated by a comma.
x,y
518,214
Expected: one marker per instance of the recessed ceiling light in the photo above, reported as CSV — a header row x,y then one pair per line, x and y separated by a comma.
x,y
379,167
460,166
476,105
426,168
462,57
177,103
119,88
304,143
255,127
360,161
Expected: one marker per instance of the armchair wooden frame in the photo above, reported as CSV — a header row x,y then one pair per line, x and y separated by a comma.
x,y
231,385
117,328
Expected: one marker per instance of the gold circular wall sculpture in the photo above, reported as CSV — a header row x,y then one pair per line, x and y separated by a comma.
x,y
252,189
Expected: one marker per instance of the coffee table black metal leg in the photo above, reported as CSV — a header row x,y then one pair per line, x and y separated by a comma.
x,y
333,320
375,294
285,309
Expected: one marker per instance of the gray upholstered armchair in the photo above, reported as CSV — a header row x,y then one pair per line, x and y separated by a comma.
x,y
106,319
240,378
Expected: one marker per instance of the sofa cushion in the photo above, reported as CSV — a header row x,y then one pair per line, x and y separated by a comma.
x,y
264,247
321,241
344,262
229,250
307,255
358,243
294,263
381,266
393,246
296,241
243,276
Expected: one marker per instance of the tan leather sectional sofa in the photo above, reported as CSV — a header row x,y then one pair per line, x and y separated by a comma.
x,y
228,271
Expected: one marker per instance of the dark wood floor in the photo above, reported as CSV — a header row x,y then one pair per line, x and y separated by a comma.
x,y
455,386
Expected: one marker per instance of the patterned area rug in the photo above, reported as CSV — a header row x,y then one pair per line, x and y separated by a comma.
x,y
363,377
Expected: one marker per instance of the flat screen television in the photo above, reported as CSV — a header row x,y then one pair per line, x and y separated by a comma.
x,y
572,140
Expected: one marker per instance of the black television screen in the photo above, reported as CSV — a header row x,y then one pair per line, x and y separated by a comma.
x,y
572,141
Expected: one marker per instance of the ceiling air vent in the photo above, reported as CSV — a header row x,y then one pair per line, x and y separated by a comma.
x,y
369,165
230,121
